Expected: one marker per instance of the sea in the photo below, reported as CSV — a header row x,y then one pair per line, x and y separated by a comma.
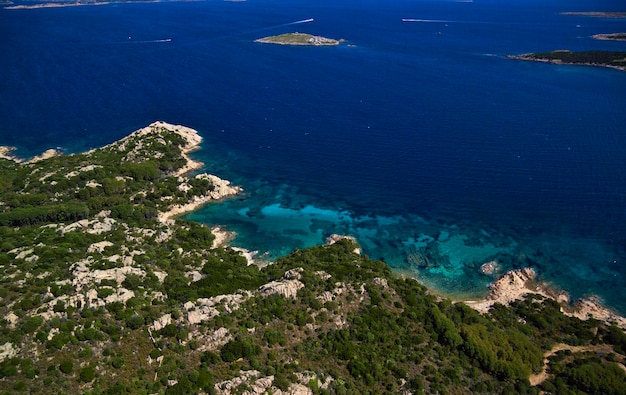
x,y
419,138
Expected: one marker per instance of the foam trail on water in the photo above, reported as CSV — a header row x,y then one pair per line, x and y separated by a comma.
x,y
302,21
281,25
425,20
164,40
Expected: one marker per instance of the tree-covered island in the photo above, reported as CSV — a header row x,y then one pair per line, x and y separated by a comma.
x,y
103,290
611,59
610,36
299,39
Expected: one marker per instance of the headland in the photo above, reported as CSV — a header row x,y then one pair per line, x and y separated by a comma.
x,y
610,59
598,14
610,36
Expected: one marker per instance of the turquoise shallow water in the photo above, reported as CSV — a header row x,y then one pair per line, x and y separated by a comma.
x,y
420,139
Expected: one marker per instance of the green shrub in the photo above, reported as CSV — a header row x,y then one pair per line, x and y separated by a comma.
x,y
66,366
281,381
87,374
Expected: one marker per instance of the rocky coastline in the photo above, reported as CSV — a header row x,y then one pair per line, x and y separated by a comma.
x,y
511,286
610,36
532,57
516,284
7,153
166,292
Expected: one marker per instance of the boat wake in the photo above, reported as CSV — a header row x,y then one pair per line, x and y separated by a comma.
x,y
131,41
309,20
302,21
425,20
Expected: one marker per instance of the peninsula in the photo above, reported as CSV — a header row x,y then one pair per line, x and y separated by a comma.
x,y
598,14
611,59
104,289
299,39
610,36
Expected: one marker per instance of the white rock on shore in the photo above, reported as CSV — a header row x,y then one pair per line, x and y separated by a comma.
x,y
222,189
515,284
50,153
332,239
6,153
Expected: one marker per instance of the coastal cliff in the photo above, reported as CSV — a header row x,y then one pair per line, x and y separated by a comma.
x,y
106,290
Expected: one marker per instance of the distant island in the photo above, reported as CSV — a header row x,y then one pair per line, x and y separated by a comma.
x,y
598,14
64,3
611,59
299,39
610,36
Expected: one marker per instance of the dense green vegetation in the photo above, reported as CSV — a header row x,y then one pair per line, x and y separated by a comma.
x,y
100,297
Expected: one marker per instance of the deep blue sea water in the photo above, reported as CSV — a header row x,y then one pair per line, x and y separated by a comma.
x,y
421,139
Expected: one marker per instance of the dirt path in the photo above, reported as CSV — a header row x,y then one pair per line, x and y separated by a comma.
x,y
538,378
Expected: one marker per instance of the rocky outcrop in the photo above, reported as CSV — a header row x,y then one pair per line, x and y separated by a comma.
x,y
511,286
94,227
7,350
205,309
332,239
84,275
288,286
592,308
489,268
215,340
515,284
162,322
6,153
50,153
221,189
99,247
258,385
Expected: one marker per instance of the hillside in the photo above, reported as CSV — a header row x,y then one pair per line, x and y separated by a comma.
x,y
105,291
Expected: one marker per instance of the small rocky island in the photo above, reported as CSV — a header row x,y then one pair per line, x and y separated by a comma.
x,y
299,39
611,59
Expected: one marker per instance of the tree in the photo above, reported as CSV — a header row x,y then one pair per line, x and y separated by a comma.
x,y
66,366
87,374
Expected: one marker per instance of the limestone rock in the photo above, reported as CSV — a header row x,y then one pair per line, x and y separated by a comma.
x,y
7,350
162,322
287,288
99,247
332,239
